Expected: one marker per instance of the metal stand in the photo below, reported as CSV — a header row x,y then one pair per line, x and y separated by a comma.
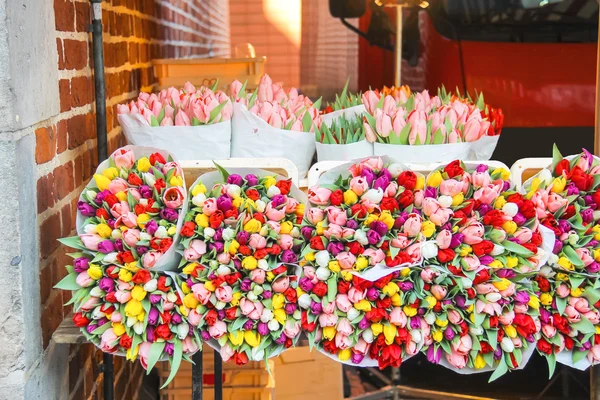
x,y
595,383
109,376
197,376
218,376
398,49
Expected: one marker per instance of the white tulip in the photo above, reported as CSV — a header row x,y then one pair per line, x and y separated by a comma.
x,y
367,335
228,234
510,209
260,205
416,335
373,195
545,176
429,249
138,328
213,263
395,170
263,264
596,215
273,191
208,232
352,313
257,354
266,315
131,321
182,330
96,292
149,178
90,229
143,202
323,273
507,344
223,270
493,297
219,305
199,199
90,194
430,318
264,231
161,232
497,250
322,258
145,237
476,330
258,289
295,232
445,201
273,325
573,239
251,296
151,285
467,283
304,301
234,191
171,297
116,234
111,258
361,237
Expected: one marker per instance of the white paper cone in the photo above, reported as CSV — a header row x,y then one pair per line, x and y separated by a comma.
x,y
344,152
169,261
566,358
423,154
253,137
347,112
483,148
203,142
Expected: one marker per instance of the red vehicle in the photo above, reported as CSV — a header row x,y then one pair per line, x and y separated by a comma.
x,y
538,64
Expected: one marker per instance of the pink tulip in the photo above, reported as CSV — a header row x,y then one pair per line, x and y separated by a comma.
x,y
473,233
383,123
315,215
355,295
439,292
182,119
333,231
150,258
173,197
224,293
342,341
443,239
375,256
218,329
131,237
451,187
91,241
412,225
580,304
593,355
342,302
123,158
507,317
369,134
336,215
291,328
457,360
585,256
319,195
361,347
344,327
258,276
196,250
257,241
327,320
488,194
370,100
463,345
109,341
454,317
251,309
472,130
281,284
346,260
398,318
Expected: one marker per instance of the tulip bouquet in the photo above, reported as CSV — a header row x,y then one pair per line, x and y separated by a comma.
x,y
570,319
446,120
343,139
400,94
362,219
274,123
360,322
344,101
566,201
182,121
129,311
481,324
130,213
477,221
241,246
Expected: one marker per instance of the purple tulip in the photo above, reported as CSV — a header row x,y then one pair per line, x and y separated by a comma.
x,y
81,264
102,321
170,347
356,358
218,236
381,183
90,328
176,318
106,246
498,353
352,224
415,322
235,179
237,264
189,282
557,246
251,179
519,219
588,199
169,214
368,175
373,237
141,250
587,215
153,316
430,192
484,209
290,308
151,227
216,246
506,273
262,329
544,315
150,334
224,202
86,209
111,223
434,355
372,294
572,189
505,186
481,168
307,232
522,297
421,311
335,248
379,227
155,298
564,225
405,286
592,243
447,226
503,302
289,257
448,333
460,301
205,336
364,323
248,325
243,237
246,285
587,345
593,267
145,191
514,240
486,260
456,240
400,220
267,294
106,284
305,284
278,200
316,308
221,314
99,199
281,339
119,245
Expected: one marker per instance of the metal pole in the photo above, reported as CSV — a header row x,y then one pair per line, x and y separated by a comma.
x,y
98,52
109,376
595,383
197,376
396,382
218,376
398,70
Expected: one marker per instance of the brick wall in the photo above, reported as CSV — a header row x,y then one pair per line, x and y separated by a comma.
x,y
273,27
135,32
329,52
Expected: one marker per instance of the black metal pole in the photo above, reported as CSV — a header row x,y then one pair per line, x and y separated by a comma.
x,y
197,376
101,136
218,376
98,52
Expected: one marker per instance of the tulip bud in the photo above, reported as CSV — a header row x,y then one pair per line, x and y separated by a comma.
x,y
266,316
304,301
545,176
257,290
573,239
97,313
171,297
273,325
138,328
467,282
322,258
260,205
116,234
208,233
131,321
223,270
510,209
429,250
182,330
273,191
596,215
145,237
361,237
352,313
264,231
234,191
395,170
96,292
445,201
507,344
228,234
263,264
199,199
90,194
111,258
323,273
151,285
493,297
213,263
373,195
90,229
220,305
257,354
430,318
497,250
295,233
476,330
367,335
161,232
416,335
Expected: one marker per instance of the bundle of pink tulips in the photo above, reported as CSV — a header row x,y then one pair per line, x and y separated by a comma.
x,y
187,106
423,119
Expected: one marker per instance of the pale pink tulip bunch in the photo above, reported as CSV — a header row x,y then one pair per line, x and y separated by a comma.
x,y
422,119
181,107
279,108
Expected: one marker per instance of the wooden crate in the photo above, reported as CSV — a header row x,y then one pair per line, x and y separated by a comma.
x,y
251,381
206,71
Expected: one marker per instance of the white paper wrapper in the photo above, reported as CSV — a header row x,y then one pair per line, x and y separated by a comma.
x,y
468,371
203,142
566,358
344,152
484,148
253,137
548,239
347,112
169,261
423,154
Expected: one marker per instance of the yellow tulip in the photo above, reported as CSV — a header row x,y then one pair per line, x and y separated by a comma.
x,y
143,164
504,173
409,311
534,302
118,328
499,203
278,301
101,181
509,227
142,219
458,199
363,305
510,331
387,219
208,285
442,323
252,226
437,335
546,299
389,331
559,184
190,301
396,300
361,263
138,293
280,315
111,173
377,329
390,289
329,332
198,189
124,275
428,228
249,263
269,181
133,308
233,247
132,353
434,179
420,183
566,264
576,292
334,266
176,181
479,362
344,355
236,338
235,299
94,272
511,261
501,284
350,197
285,227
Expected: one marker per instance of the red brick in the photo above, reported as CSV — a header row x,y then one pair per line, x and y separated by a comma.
x,y
64,15
49,235
82,16
45,144
76,127
65,216
45,193
64,89
45,283
63,176
78,170
76,54
61,56
61,136
82,91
